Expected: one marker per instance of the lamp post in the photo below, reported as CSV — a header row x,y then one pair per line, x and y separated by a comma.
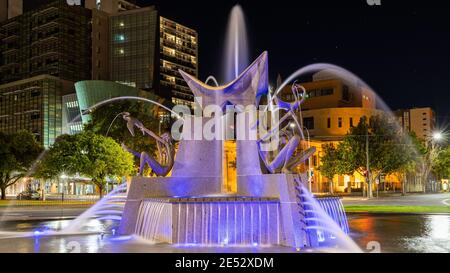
x,y
431,146
63,177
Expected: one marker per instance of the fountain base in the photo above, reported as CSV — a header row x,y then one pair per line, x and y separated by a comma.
x,y
243,221
268,209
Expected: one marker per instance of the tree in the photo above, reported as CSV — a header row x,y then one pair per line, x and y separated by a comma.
x,y
107,121
105,158
442,163
331,163
87,154
375,146
429,159
62,158
18,152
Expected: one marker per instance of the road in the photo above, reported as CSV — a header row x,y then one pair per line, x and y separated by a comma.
x,y
437,199
39,213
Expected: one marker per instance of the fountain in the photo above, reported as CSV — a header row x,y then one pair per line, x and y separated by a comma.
x,y
191,202
270,205
236,55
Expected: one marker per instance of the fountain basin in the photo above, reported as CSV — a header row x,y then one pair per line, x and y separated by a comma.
x,y
212,221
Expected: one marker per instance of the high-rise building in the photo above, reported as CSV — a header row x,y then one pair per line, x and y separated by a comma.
x,y
178,50
133,52
111,6
43,52
53,39
34,104
74,40
421,121
146,51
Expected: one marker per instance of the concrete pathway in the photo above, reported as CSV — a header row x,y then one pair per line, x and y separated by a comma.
x,y
436,199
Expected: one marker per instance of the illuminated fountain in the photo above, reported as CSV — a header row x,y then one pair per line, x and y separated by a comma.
x,y
270,205
189,204
190,201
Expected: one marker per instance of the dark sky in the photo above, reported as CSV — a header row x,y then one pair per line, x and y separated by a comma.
x,y
402,50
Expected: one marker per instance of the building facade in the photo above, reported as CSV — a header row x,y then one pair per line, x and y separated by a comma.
x,y
133,52
71,115
420,121
333,106
34,104
41,41
10,9
178,49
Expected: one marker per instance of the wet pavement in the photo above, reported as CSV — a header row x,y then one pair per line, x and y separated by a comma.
x,y
385,233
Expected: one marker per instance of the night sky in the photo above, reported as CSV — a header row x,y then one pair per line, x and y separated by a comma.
x,y
401,50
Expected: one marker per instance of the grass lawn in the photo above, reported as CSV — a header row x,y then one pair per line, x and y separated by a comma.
x,y
21,203
398,209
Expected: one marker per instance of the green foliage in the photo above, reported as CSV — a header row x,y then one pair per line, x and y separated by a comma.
x,y
330,161
389,150
442,163
108,121
18,153
87,154
62,158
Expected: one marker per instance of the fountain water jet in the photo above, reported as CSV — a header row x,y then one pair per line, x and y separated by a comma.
x,y
236,48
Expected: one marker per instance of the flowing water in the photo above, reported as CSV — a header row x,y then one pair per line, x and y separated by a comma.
x,y
236,55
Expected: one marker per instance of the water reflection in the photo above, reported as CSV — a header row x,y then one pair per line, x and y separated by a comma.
x,y
402,233
395,233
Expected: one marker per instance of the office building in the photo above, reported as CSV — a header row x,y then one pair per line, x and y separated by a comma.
x,y
34,104
41,41
420,121
333,106
146,51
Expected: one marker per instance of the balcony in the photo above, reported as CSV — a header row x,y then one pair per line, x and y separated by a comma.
x,y
11,37
45,54
9,51
11,24
48,24
44,10
43,40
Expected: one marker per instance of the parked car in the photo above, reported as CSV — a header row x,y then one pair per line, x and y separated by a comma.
x,y
29,195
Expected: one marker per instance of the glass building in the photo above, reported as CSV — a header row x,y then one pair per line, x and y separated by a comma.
x,y
33,104
147,50
133,47
41,41
71,115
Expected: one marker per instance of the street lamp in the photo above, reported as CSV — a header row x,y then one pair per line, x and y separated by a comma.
x,y
438,136
63,177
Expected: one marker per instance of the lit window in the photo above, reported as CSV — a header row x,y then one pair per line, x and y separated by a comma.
x,y
121,51
169,51
122,24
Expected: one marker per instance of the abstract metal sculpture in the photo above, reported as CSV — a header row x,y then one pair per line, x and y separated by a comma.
x,y
283,159
166,152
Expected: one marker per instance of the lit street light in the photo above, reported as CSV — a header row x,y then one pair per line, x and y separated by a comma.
x,y
437,136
